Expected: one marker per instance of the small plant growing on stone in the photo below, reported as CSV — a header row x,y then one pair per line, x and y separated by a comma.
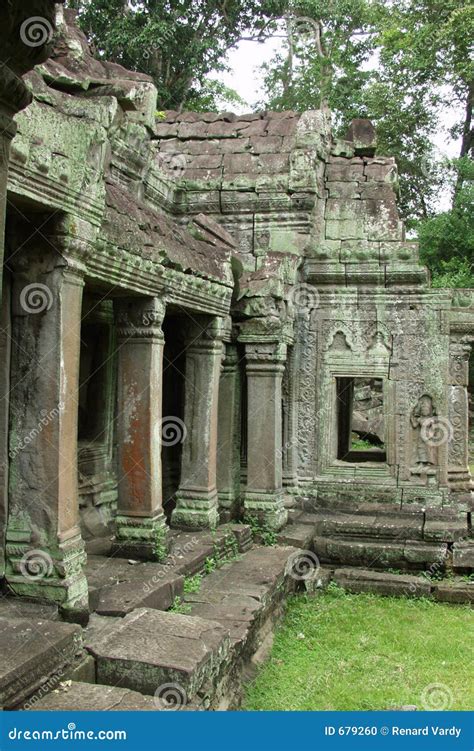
x,y
192,583
210,564
180,607
260,532
161,548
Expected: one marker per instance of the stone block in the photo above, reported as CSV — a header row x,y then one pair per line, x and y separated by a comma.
x,y
32,651
18,607
83,697
445,531
297,535
463,554
425,553
361,133
455,592
344,170
345,229
148,649
122,598
390,585
350,190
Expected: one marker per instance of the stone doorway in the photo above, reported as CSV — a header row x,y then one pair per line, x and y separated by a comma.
x,y
360,420
97,474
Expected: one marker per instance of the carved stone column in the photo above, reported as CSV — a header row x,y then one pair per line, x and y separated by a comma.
x,y
45,551
228,436
265,364
140,524
197,505
459,478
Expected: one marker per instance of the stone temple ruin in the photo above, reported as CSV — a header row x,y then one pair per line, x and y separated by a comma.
x,y
207,320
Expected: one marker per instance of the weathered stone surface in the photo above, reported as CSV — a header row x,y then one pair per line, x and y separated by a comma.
x,y
14,607
33,650
390,585
445,531
122,598
379,554
297,535
189,651
84,697
361,133
463,554
454,592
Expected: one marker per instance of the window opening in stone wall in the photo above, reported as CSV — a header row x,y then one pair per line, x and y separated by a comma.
x,y
360,420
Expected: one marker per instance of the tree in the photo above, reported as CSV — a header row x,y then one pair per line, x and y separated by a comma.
x,y
177,42
397,63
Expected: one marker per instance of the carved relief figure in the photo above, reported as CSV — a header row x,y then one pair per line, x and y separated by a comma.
x,y
423,420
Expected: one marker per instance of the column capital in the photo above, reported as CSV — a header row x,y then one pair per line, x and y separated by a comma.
x,y
265,357
140,318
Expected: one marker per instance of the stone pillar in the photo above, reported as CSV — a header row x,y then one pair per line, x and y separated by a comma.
x,y
228,436
197,505
140,525
459,479
265,364
45,551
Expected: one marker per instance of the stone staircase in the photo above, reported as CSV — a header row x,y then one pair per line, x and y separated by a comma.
x,y
375,538
136,653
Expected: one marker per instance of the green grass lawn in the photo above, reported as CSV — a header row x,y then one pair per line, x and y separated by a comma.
x,y
364,652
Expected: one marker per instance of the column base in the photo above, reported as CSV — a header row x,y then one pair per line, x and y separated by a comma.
x,y
55,576
229,506
141,537
268,509
195,510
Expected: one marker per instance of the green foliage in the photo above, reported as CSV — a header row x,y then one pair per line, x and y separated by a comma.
x,y
447,240
180,607
396,63
178,42
364,652
192,584
260,532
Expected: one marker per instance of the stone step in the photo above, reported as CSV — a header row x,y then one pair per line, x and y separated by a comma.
x,y
410,554
357,580
244,594
378,526
86,697
117,585
392,585
33,651
297,535
148,650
